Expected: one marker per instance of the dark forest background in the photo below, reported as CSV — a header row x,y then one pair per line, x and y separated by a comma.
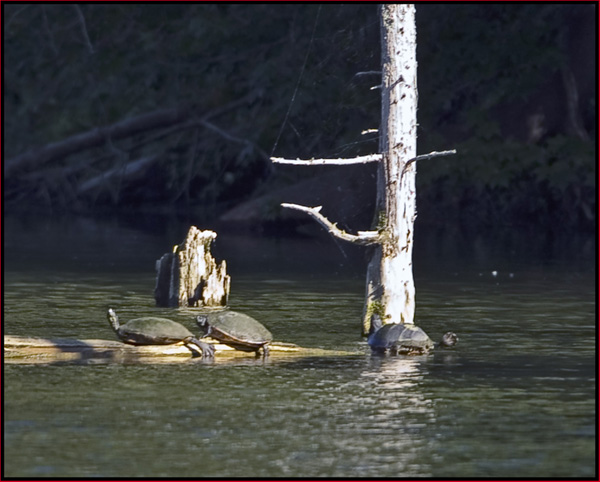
x,y
176,108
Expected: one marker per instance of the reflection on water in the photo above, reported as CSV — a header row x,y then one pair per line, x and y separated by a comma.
x,y
518,389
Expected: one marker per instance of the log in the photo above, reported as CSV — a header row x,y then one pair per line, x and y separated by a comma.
x,y
31,350
190,276
97,137
127,171
122,129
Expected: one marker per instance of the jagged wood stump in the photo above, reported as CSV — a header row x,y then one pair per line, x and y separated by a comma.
x,y
190,276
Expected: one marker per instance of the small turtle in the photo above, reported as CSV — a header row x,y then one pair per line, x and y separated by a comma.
x,y
157,331
405,339
237,330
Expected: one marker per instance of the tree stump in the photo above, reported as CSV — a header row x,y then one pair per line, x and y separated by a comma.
x,y
190,276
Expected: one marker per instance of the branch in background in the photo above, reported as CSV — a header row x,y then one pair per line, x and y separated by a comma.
x,y
322,162
364,238
119,130
84,31
96,137
50,39
86,163
232,138
575,120
128,170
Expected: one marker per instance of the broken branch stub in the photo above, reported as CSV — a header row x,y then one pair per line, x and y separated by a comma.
x,y
190,276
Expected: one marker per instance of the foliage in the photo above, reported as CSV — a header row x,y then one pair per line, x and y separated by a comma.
x,y
485,71
143,57
284,78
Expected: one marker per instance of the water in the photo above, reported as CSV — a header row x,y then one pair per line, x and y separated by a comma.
x,y
516,398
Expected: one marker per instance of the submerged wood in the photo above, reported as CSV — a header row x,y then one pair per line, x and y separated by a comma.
x,y
190,276
20,349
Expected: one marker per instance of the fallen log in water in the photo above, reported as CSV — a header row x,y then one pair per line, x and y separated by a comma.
x,y
27,350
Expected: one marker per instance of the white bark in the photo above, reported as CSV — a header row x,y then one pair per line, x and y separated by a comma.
x,y
390,290
323,162
357,160
363,238
190,276
398,146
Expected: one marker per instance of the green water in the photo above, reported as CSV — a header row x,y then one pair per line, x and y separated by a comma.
x,y
516,398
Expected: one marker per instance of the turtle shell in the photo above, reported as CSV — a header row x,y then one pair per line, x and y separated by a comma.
x,y
153,331
386,337
414,339
237,329
400,338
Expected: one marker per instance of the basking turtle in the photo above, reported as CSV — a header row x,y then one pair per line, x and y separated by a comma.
x,y
405,339
237,330
157,331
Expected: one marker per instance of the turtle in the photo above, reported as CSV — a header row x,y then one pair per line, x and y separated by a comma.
x,y
157,331
237,330
401,338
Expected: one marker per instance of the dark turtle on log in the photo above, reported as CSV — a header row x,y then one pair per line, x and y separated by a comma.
x,y
158,331
237,330
398,338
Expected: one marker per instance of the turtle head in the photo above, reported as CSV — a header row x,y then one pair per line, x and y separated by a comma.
x,y
449,339
202,322
376,323
113,319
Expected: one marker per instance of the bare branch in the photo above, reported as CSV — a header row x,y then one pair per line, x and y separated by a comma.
x,y
84,31
12,17
423,157
356,160
368,72
119,130
128,170
364,238
232,138
574,114
50,38
96,137
323,162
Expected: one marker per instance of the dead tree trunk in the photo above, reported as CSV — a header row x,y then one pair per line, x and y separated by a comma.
x,y
190,276
390,290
